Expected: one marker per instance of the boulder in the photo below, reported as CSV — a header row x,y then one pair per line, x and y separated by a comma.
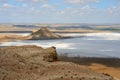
x,y
24,52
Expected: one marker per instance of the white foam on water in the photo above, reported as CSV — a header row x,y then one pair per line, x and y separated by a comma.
x,y
105,36
23,34
59,45
96,36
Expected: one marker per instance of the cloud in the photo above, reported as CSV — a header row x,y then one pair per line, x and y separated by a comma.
x,y
46,6
81,1
6,5
32,1
2,1
24,5
42,11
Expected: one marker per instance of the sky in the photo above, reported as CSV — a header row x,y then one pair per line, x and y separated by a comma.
x,y
59,11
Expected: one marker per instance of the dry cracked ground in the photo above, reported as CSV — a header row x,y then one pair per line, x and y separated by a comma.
x,y
36,63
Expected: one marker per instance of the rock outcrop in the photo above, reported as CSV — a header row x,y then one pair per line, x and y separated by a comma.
x,y
44,33
36,63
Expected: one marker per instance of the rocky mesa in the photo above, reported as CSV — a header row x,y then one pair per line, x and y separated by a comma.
x,y
37,63
44,33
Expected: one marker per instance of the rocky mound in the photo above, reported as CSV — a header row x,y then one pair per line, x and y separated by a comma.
x,y
44,33
36,63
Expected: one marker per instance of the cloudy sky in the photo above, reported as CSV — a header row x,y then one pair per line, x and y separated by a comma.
x,y
59,11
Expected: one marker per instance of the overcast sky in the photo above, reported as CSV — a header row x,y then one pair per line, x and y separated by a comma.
x,y
59,11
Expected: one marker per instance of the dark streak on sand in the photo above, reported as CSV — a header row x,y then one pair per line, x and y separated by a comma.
x,y
110,62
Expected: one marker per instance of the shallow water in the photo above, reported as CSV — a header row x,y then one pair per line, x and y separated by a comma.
x,y
91,45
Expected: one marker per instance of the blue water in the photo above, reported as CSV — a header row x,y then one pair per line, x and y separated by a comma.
x,y
88,46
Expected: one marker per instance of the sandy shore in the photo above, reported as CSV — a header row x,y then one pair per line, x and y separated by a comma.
x,y
11,37
8,37
105,69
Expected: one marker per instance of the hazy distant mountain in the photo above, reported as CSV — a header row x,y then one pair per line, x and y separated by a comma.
x,y
26,26
31,27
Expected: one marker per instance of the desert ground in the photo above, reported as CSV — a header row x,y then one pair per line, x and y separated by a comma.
x,y
99,67
36,63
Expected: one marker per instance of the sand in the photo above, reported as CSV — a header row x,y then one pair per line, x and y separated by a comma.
x,y
105,69
11,37
8,37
